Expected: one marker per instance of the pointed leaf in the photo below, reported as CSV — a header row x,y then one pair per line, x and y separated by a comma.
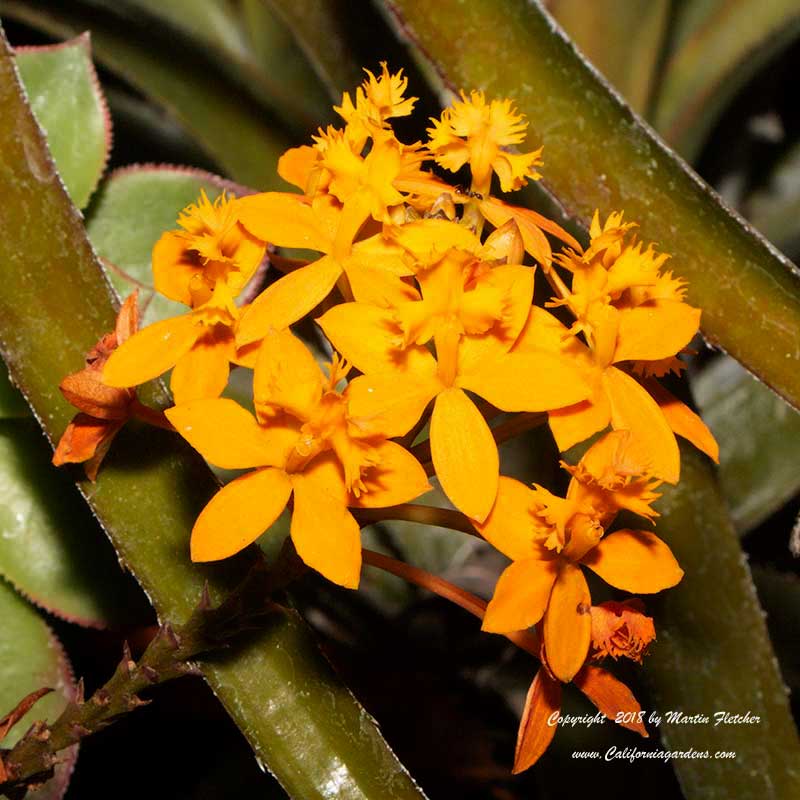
x,y
66,97
32,658
300,720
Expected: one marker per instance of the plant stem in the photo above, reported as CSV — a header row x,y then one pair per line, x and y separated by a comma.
x,y
525,640
414,512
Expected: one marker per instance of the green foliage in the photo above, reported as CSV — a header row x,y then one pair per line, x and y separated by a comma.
x,y
64,94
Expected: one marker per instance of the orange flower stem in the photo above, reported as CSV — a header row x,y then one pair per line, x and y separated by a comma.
x,y
469,602
556,283
150,415
412,512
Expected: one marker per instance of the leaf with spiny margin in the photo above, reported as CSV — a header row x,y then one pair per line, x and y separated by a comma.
x,y
66,97
301,721
31,658
622,38
51,548
233,129
132,209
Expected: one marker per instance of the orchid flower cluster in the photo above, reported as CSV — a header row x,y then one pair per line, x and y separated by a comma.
x,y
425,294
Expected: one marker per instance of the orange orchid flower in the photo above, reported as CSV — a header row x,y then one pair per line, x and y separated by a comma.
x,y
611,697
304,444
473,314
204,266
634,320
549,538
374,266
473,131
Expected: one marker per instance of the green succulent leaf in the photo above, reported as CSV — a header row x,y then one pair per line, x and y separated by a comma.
x,y
718,45
51,548
598,155
32,658
232,128
302,723
133,208
713,652
622,38
66,97
759,438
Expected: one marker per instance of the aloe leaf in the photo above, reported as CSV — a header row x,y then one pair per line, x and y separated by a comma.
x,y
233,129
598,155
622,38
713,653
759,438
133,208
32,658
321,29
65,95
302,723
275,72
51,549
718,46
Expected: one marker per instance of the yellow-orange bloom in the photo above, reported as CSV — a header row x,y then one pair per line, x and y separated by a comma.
x,y
204,266
480,133
549,538
306,444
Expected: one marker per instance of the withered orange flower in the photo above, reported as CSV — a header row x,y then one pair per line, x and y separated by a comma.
x,y
104,409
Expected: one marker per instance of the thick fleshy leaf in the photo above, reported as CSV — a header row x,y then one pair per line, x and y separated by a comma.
x,y
521,595
152,351
66,97
713,651
527,382
397,478
288,299
635,561
718,45
464,454
598,156
633,409
227,434
152,487
130,213
326,535
536,730
622,38
568,623
759,438
239,136
239,513
610,696
31,658
51,548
